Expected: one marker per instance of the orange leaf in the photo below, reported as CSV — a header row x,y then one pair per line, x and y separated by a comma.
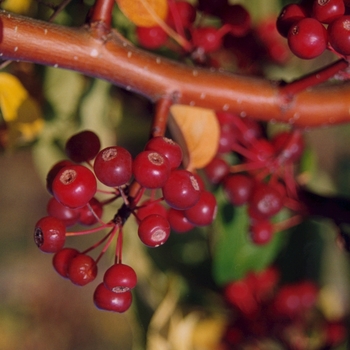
x,y
144,13
197,131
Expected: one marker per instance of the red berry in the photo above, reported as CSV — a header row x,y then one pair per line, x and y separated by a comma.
x,y
181,191
154,230
204,211
151,169
239,294
238,188
237,17
326,11
262,150
228,137
151,37
89,216
119,278
105,299
53,172
178,221
207,39
181,13
82,269
261,232
266,201
69,216
50,234
289,146
307,38
113,166
339,35
289,15
83,146
74,186
62,259
150,207
216,170
167,148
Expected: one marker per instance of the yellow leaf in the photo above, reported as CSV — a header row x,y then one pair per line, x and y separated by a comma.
x,y
12,95
26,126
144,13
17,6
197,131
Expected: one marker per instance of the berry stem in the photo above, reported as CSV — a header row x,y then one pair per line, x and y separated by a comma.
x,y
110,233
288,223
119,247
92,230
161,117
102,13
288,91
110,237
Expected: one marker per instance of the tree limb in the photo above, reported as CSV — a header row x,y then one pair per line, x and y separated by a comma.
x,y
109,56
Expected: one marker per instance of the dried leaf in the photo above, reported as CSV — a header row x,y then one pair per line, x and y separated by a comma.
x,y
144,13
197,131
12,95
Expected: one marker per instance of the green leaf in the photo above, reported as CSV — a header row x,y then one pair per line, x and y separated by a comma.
x,y
234,254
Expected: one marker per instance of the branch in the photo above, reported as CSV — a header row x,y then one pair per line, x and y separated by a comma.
x,y
110,57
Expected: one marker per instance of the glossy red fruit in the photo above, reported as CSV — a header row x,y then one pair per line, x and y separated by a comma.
x,y
307,38
120,278
216,170
238,18
289,146
83,146
151,37
74,186
262,150
240,295
228,138
178,221
261,232
289,15
167,148
113,166
181,13
50,234
105,299
53,172
181,190
339,35
89,214
151,169
69,216
154,230
206,39
204,211
82,269
326,11
238,188
62,259
149,207
265,201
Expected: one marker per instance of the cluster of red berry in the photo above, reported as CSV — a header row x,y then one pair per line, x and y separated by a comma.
x,y
232,30
262,309
74,187
263,177
311,30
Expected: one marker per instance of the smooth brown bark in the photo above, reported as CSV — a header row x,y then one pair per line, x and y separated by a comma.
x,y
106,55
